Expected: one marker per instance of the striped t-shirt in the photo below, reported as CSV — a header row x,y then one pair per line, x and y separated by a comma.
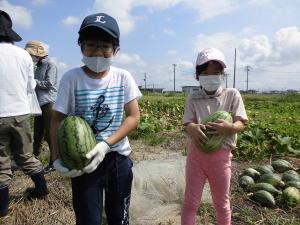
x,y
99,101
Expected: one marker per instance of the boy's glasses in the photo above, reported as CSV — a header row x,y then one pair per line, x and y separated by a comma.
x,y
99,46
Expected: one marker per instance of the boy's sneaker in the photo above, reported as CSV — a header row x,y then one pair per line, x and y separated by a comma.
x,y
49,168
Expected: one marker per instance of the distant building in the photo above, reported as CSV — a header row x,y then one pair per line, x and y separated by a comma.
x,y
249,91
189,89
156,90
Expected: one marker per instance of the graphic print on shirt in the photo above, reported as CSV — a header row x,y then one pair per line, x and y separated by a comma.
x,y
100,110
103,109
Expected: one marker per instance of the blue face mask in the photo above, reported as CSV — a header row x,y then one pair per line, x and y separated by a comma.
x,y
97,64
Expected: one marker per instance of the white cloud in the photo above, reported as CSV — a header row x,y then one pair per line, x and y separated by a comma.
x,y
40,2
61,66
256,49
127,59
168,31
70,21
172,52
225,42
20,15
124,12
210,9
272,58
287,45
185,64
259,2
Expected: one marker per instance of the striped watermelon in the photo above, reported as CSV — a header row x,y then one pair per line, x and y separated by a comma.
x,y
75,139
215,140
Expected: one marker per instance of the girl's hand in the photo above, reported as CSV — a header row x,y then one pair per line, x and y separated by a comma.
x,y
195,131
221,127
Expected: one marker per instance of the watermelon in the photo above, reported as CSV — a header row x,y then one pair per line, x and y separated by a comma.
x,y
291,196
252,173
264,198
75,139
246,182
264,169
271,178
281,165
215,141
290,175
267,187
295,184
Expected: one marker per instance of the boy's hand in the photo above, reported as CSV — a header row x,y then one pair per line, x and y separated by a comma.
x,y
221,127
64,171
195,131
97,153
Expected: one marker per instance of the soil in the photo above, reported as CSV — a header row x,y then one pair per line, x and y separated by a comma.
x,y
57,208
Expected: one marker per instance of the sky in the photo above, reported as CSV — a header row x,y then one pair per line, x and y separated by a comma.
x,y
159,37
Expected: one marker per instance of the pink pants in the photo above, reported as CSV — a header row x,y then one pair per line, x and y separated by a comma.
x,y
216,167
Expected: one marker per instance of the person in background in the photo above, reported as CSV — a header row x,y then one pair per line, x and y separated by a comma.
x,y
16,81
106,97
214,166
45,75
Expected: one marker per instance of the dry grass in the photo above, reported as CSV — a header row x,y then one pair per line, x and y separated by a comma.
x,y
57,209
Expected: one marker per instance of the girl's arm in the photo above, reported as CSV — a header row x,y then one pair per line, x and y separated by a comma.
x,y
196,133
225,128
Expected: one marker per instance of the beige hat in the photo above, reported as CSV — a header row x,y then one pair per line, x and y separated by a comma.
x,y
36,48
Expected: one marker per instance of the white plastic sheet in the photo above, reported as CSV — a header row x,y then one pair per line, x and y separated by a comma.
x,y
158,190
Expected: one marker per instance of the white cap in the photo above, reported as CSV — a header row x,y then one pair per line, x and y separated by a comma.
x,y
210,54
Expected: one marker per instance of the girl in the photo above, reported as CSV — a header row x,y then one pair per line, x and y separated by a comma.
x,y
215,166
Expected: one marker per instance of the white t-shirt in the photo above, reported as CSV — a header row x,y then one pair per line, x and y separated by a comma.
x,y
16,80
99,101
230,100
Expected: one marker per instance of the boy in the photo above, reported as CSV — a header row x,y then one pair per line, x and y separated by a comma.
x,y
101,94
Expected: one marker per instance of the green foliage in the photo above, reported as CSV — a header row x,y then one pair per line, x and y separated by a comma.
x,y
273,128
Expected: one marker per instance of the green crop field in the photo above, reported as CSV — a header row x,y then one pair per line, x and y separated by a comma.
x,y
273,128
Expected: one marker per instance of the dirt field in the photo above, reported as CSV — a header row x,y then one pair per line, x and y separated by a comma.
x,y
57,209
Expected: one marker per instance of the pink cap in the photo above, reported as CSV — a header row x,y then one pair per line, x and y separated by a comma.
x,y
210,54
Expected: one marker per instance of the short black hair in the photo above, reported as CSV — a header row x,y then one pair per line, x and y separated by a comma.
x,y
6,39
93,33
203,67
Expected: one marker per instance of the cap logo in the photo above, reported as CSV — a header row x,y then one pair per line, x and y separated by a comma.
x,y
99,19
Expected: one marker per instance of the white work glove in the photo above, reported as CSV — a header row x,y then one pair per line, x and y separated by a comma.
x,y
97,153
64,171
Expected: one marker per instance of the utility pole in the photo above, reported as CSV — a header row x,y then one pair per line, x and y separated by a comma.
x,y
226,79
247,70
234,68
145,79
174,76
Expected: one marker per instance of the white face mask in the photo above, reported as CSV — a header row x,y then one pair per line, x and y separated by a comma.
x,y
97,64
211,82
